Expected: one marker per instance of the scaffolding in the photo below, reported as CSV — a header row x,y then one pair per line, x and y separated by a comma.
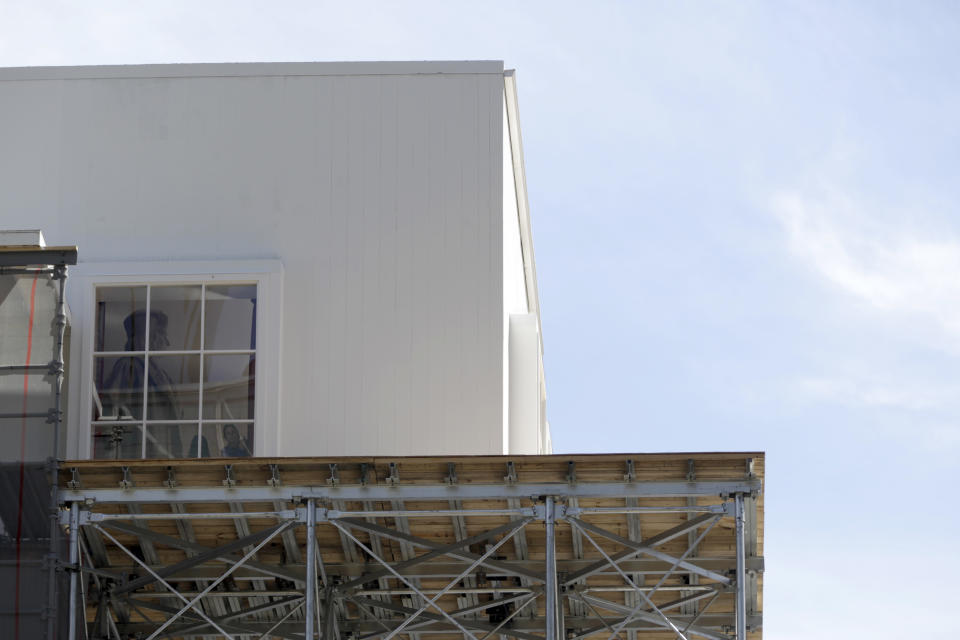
x,y
30,484
530,547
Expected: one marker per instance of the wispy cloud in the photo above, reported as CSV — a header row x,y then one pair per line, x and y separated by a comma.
x,y
874,255
908,274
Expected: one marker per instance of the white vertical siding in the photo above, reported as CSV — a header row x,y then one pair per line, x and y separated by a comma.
x,y
514,288
380,193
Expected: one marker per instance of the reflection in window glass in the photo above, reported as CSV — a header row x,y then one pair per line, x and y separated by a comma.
x,y
116,441
184,342
114,306
199,446
228,387
171,440
180,309
173,388
228,439
118,388
230,317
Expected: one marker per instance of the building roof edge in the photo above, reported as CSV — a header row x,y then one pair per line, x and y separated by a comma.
x,y
252,69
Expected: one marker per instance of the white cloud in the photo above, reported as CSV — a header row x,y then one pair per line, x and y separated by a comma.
x,y
908,280
873,255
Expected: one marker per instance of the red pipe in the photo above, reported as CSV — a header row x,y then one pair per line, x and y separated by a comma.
x,y
23,455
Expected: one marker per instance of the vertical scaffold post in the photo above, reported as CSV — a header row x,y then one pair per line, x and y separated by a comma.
x,y
53,557
311,568
551,571
741,569
74,568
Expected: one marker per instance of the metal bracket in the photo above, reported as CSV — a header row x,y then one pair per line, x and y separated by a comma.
x,y
451,478
750,474
171,481
300,514
126,482
571,472
55,368
363,474
274,479
53,416
691,470
334,478
511,477
560,511
394,478
629,476
229,481
74,482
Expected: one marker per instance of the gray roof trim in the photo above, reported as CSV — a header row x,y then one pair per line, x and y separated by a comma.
x,y
248,69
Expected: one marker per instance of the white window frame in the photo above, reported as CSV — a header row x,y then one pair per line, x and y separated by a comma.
x,y
81,297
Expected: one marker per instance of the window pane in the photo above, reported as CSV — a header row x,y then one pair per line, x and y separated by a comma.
x,y
118,327
118,386
115,442
230,317
175,318
228,439
171,440
198,447
173,387
228,387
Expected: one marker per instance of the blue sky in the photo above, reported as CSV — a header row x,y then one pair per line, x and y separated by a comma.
x,y
747,227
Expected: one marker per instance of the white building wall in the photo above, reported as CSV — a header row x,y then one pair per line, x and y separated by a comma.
x,y
378,186
521,400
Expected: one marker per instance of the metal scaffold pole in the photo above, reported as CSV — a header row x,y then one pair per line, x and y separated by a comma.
x,y
741,593
311,594
551,570
57,366
74,567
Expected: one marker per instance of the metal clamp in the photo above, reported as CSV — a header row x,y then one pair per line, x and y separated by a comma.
x,y
363,474
55,367
127,481
451,478
74,482
511,477
229,481
274,479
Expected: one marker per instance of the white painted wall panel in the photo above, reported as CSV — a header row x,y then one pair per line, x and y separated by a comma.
x,y
514,289
380,193
524,364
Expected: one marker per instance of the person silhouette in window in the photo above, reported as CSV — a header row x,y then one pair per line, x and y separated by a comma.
x,y
125,386
235,446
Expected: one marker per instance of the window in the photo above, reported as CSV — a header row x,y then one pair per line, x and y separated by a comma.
x,y
207,336
174,370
